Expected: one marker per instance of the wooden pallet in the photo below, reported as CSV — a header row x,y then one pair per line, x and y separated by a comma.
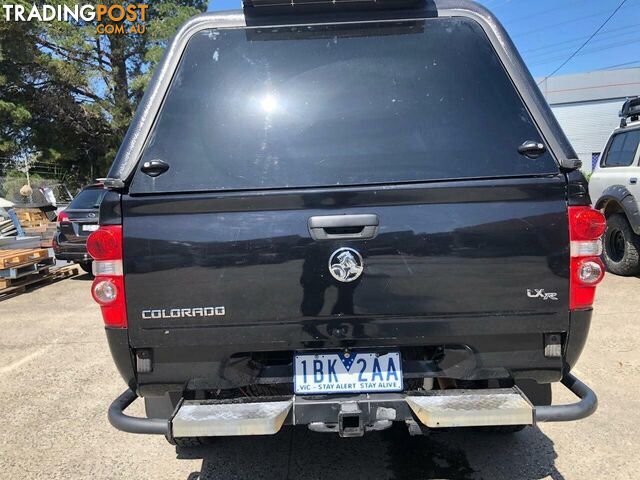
x,y
34,222
42,232
11,292
15,273
21,287
67,271
15,258
45,277
35,275
33,215
35,225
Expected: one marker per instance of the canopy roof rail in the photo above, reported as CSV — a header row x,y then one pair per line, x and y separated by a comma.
x,y
267,6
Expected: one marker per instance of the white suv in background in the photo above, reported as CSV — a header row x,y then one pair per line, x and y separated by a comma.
x,y
615,189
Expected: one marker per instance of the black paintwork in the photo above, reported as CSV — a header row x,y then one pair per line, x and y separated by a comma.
x,y
577,189
579,325
118,341
450,266
110,209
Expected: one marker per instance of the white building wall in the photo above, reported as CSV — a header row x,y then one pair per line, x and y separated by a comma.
x,y
588,125
587,105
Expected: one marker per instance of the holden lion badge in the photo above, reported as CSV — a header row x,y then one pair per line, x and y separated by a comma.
x,y
346,265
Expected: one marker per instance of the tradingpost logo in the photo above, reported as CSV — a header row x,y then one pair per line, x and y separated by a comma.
x,y
115,19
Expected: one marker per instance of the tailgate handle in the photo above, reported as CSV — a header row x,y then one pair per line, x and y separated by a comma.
x,y
340,227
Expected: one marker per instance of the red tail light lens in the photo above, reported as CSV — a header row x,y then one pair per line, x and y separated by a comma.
x,y
586,227
106,243
105,246
63,217
587,223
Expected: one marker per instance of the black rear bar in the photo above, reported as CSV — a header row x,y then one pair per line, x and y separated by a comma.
x,y
118,419
575,411
553,413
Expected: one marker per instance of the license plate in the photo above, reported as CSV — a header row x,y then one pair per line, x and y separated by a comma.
x,y
355,372
89,228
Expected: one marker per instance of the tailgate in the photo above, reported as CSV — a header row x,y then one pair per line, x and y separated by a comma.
x,y
461,252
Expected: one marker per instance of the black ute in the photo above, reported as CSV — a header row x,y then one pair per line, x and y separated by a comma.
x,y
350,180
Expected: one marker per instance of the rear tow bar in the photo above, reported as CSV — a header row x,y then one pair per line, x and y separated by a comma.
x,y
353,415
575,411
121,421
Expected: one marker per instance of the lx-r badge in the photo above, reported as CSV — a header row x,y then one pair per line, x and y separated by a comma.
x,y
540,293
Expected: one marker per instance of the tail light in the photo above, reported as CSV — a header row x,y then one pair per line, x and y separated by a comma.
x,y
63,217
105,246
586,227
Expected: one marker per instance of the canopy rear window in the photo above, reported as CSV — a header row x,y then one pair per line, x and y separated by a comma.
x,y
338,105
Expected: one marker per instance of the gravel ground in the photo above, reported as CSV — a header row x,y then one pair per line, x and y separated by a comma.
x,y
57,379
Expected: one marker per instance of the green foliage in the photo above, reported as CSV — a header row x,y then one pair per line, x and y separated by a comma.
x,y
14,180
68,93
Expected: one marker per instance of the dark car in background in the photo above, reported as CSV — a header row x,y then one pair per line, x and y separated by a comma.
x,y
75,224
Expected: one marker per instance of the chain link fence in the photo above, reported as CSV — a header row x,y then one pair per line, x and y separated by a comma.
x,y
36,191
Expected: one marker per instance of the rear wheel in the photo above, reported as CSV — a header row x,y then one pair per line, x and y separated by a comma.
x,y
621,252
86,266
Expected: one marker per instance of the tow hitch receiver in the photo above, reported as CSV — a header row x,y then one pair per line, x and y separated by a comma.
x,y
472,408
350,420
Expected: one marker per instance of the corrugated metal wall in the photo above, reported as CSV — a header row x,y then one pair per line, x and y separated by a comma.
x,y
587,105
588,126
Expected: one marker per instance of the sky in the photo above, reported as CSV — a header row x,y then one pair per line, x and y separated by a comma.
x,y
548,32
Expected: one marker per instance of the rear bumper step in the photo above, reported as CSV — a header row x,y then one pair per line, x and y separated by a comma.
x,y
204,419
353,415
472,408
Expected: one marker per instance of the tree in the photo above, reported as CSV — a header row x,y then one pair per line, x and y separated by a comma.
x,y
68,93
